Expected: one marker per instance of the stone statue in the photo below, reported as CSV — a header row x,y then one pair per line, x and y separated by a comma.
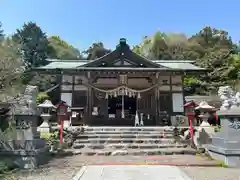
x,y
228,97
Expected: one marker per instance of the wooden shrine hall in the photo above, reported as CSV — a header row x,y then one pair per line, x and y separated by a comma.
x,y
112,90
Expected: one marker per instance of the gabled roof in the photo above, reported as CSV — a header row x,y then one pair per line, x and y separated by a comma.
x,y
119,59
79,64
121,53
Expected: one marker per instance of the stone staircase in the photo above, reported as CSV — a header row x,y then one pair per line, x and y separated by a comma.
x,y
129,141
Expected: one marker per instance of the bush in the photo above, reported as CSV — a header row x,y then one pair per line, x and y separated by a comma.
x,y
42,97
50,138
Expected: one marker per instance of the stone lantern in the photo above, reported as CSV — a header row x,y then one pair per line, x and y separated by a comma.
x,y
205,131
205,108
225,144
46,108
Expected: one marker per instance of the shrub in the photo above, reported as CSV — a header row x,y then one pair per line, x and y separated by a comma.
x,y
50,138
42,97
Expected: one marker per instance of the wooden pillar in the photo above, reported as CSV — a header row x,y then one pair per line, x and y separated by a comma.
x,y
89,100
171,95
73,84
157,99
183,88
59,81
183,91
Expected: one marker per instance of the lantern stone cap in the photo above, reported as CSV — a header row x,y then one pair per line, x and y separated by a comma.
x,y
204,105
233,111
47,104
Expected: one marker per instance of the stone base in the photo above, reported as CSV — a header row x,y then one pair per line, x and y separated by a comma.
x,y
27,159
229,157
26,154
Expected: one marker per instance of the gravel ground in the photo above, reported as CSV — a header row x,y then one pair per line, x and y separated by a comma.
x,y
58,169
66,168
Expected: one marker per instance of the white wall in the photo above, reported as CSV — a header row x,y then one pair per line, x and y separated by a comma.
x,y
67,97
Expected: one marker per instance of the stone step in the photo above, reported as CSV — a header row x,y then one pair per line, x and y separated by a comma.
x,y
143,136
159,129
128,140
127,146
125,132
136,152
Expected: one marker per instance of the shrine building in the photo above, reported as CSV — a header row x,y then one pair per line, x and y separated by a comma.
x,y
111,90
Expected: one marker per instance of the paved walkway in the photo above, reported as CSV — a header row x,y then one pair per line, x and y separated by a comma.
x,y
133,172
196,167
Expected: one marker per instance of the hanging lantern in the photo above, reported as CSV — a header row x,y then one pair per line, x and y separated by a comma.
x,y
115,94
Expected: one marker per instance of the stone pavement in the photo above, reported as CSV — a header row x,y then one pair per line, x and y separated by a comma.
x,y
196,167
132,172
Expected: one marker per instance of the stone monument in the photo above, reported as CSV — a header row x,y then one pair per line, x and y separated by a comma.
x,y
27,147
225,144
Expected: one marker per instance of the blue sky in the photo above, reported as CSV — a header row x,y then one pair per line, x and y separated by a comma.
x,y
82,22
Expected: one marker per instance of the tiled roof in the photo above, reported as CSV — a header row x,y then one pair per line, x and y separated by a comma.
x,y
180,65
74,64
63,64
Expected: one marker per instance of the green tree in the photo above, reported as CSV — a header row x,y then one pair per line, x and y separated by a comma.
x,y
210,47
60,49
34,44
95,51
11,69
34,47
218,49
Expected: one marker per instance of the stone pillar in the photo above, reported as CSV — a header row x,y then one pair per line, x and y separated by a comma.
x,y
225,144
